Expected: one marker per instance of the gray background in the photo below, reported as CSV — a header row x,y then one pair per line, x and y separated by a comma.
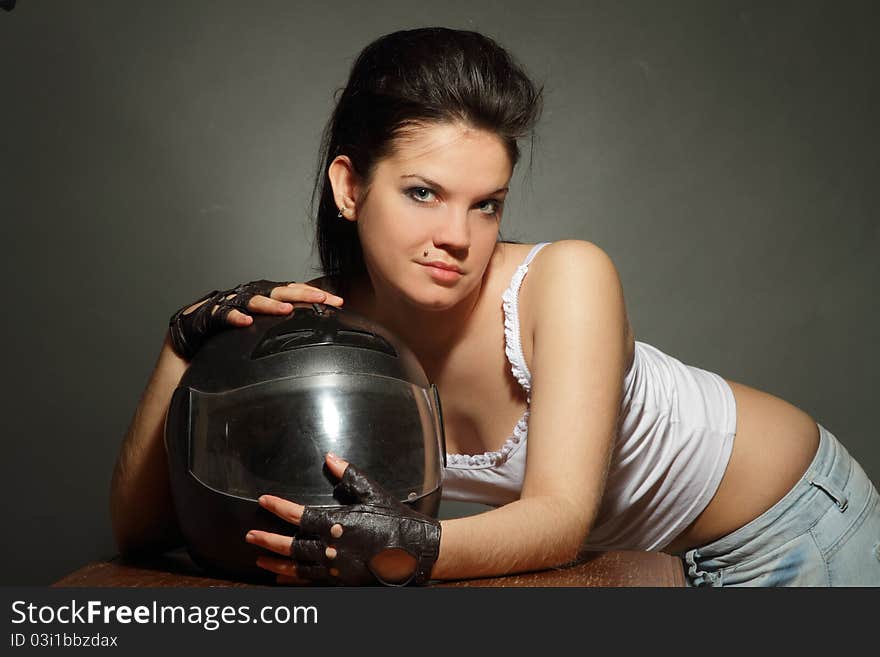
x,y
723,153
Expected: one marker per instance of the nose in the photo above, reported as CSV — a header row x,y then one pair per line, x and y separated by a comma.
x,y
453,232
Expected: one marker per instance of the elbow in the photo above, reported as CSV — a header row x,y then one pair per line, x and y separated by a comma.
x,y
126,547
134,537
569,551
118,525
132,545
121,524
124,535
140,527
579,518
566,551
573,521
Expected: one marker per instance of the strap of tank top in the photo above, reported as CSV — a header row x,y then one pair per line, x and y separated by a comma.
x,y
512,341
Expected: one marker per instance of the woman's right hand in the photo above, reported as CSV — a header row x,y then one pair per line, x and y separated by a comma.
x,y
192,325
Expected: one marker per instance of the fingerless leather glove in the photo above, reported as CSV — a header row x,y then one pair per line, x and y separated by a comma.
x,y
189,332
373,523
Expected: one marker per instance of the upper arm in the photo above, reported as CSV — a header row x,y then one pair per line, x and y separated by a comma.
x,y
580,334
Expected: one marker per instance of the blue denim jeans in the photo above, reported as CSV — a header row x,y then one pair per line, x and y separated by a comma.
x,y
824,532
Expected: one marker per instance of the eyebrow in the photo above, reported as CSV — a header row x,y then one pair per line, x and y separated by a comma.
x,y
440,187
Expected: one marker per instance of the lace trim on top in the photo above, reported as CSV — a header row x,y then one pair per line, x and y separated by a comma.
x,y
513,350
491,459
512,342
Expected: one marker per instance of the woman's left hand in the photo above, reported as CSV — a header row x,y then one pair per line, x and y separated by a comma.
x,y
375,539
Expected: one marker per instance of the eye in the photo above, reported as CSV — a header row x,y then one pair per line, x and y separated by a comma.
x,y
420,194
494,206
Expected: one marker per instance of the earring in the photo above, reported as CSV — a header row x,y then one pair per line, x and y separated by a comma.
x,y
343,209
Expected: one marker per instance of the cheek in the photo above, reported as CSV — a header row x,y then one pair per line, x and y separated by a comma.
x,y
487,235
387,238
393,223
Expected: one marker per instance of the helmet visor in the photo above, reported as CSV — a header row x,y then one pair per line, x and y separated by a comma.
x,y
272,437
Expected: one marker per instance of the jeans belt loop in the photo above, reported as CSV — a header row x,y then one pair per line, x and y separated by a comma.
x,y
836,494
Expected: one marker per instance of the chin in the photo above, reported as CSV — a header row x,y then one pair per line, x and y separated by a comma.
x,y
434,303
435,297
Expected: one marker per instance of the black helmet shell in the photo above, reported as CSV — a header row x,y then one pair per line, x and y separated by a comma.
x,y
260,406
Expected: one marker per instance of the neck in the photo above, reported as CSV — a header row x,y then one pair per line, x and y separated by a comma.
x,y
431,335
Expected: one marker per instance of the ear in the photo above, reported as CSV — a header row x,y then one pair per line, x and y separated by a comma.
x,y
344,181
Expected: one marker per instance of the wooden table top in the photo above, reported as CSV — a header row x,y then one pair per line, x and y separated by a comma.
x,y
175,568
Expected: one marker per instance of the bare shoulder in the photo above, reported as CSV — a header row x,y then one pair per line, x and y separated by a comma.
x,y
563,266
565,272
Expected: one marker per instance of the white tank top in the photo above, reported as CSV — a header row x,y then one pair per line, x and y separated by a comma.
x,y
676,430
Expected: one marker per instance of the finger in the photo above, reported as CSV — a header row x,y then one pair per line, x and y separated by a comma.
x,y
355,485
275,542
277,566
286,571
237,318
335,464
195,306
267,306
304,551
234,317
305,293
284,509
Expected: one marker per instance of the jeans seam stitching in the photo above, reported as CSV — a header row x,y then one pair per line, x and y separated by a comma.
x,y
825,565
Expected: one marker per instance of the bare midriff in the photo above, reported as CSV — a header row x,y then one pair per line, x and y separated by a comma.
x,y
774,445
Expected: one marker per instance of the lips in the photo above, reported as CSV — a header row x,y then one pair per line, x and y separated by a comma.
x,y
442,265
442,272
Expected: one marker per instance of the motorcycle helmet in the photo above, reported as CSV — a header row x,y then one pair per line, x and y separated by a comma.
x,y
260,406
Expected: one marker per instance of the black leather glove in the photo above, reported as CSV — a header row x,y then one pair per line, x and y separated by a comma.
x,y
373,523
189,332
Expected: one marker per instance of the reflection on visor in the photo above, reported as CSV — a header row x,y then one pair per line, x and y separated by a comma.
x,y
272,437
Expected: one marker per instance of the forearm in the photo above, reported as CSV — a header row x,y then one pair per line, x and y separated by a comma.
x,y
528,534
141,508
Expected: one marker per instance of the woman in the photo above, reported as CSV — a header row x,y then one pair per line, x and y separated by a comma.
x,y
614,444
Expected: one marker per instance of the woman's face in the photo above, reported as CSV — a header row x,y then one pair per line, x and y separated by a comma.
x,y
441,191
